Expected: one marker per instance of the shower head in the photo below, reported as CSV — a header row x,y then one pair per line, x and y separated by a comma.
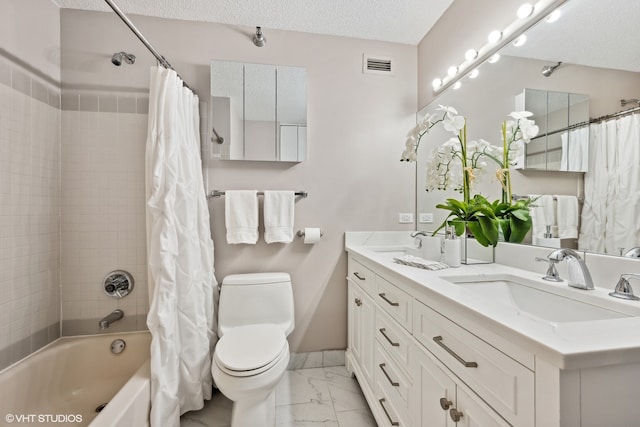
x,y
547,70
117,58
259,40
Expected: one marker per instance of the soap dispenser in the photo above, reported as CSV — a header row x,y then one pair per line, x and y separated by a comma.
x,y
452,248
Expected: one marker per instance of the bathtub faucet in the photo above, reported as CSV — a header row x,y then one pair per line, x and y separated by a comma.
x,y
114,316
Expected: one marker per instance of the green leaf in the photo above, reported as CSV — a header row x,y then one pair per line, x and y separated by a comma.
x,y
519,229
476,229
489,228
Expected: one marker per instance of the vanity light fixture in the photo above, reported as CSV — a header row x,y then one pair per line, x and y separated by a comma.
x,y
473,74
457,85
554,16
525,10
522,39
494,36
494,58
471,54
528,15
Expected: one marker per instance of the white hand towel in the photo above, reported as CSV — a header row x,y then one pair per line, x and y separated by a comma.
x,y
241,216
278,216
542,214
567,212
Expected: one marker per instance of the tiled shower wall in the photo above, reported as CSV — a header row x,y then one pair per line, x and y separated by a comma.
x,y
29,213
102,208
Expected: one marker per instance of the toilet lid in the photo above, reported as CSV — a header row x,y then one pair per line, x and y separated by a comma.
x,y
245,349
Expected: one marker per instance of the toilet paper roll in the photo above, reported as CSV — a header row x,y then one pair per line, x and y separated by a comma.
x,y
312,235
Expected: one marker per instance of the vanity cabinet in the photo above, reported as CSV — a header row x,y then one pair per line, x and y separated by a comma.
x,y
418,368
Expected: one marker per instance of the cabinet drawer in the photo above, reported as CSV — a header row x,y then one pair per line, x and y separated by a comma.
x,y
397,303
392,378
362,276
393,338
386,410
502,382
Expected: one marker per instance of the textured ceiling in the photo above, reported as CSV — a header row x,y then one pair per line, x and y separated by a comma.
x,y
401,21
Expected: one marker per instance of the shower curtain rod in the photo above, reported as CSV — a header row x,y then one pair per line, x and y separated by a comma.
x,y
161,59
589,122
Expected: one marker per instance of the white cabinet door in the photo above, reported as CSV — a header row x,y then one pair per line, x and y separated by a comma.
x,y
435,392
361,318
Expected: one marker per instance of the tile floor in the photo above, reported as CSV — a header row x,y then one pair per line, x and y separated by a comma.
x,y
325,397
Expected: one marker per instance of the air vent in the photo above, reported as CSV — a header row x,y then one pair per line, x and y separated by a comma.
x,y
374,64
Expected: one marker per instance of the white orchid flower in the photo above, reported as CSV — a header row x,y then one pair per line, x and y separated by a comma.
x,y
450,111
453,124
519,115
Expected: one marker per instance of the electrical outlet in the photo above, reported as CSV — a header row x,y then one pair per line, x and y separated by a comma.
x,y
426,218
405,218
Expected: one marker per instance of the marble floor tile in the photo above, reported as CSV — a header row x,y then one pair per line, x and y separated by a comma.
x,y
302,386
306,414
358,418
325,397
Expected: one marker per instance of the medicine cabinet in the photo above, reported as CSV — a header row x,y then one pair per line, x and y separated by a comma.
x,y
258,112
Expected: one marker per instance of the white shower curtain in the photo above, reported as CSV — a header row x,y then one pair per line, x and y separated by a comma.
x,y
612,187
180,254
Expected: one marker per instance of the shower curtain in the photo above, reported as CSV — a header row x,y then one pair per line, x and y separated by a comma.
x,y
180,254
612,187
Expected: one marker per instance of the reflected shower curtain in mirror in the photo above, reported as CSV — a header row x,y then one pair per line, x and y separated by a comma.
x,y
611,208
179,252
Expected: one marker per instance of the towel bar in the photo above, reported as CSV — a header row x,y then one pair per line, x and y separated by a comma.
x,y
218,193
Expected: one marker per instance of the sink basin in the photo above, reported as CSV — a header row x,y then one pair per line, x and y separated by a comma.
x,y
530,301
397,251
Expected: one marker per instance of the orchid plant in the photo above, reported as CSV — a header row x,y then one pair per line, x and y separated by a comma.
x,y
458,163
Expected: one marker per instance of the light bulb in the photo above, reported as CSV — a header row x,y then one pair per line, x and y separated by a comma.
x,y
457,85
554,16
495,58
436,83
452,71
474,74
494,36
520,40
471,54
525,10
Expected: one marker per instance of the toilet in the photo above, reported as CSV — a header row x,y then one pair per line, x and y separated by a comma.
x,y
254,319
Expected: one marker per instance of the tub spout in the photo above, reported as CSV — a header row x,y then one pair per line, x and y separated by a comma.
x,y
114,316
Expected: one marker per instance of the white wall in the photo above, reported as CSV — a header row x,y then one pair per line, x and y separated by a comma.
x,y
356,127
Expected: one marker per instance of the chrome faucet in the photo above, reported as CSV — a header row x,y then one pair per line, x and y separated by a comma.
x,y
114,316
415,235
623,288
561,254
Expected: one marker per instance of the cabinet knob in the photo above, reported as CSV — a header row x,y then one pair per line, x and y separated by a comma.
x,y
358,302
444,403
455,414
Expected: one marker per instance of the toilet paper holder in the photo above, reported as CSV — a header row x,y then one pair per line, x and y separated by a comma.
x,y
300,233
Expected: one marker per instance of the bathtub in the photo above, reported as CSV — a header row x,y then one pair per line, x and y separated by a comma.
x,y
64,382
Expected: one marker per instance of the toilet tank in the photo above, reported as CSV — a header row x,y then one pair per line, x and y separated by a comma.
x,y
256,298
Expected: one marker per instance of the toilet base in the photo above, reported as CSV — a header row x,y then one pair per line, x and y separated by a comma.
x,y
252,413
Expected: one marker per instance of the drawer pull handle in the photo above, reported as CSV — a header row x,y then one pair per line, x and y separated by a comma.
x,y
384,371
383,296
455,415
445,404
383,331
466,364
358,302
355,273
393,423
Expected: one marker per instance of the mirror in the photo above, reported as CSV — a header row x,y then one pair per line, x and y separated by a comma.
x,y
563,141
258,112
599,61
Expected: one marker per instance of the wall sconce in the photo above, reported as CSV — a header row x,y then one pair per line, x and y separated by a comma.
x,y
527,16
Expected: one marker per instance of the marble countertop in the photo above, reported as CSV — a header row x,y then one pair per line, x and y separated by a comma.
x,y
566,345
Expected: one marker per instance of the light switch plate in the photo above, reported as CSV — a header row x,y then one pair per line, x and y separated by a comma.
x,y
405,218
426,218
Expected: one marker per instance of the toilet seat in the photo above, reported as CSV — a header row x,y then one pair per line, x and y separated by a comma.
x,y
250,350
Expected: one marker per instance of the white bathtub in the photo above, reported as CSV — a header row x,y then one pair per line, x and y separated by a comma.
x,y
64,382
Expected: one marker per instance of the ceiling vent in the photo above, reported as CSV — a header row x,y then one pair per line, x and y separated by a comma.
x,y
375,64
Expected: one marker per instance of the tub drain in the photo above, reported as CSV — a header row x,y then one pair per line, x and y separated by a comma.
x,y
101,407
